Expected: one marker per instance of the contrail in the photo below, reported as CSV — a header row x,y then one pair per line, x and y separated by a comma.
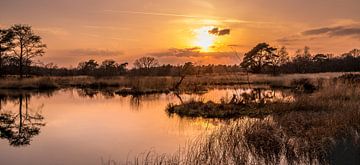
x,y
159,14
223,19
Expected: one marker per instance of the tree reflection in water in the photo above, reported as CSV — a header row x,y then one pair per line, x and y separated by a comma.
x,y
21,126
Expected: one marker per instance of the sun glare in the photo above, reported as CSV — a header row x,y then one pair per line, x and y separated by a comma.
x,y
204,39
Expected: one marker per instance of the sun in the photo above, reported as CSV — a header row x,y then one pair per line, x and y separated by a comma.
x,y
203,39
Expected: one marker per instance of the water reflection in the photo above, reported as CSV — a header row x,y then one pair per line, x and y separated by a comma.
x,y
245,96
95,124
21,125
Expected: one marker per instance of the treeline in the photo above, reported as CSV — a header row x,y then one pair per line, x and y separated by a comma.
x,y
308,63
112,68
270,60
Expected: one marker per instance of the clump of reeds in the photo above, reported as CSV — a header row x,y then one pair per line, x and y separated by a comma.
x,y
210,109
352,78
303,85
42,83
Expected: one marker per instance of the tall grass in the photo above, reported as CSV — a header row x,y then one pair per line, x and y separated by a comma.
x,y
162,83
318,128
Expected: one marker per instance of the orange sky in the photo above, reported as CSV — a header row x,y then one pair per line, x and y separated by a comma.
x,y
169,29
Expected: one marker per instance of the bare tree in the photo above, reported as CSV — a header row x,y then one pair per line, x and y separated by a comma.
x,y
281,57
146,63
186,69
302,60
27,45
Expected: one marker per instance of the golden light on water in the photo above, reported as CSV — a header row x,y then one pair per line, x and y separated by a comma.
x,y
203,39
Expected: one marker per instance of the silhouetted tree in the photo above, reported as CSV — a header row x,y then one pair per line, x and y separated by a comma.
x,y
320,58
88,67
259,57
122,67
111,68
108,67
280,58
27,45
355,53
187,69
51,68
302,60
146,63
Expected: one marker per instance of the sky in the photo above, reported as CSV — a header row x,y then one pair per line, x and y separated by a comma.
x,y
177,31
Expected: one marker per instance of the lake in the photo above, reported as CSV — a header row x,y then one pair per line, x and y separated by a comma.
x,y
73,126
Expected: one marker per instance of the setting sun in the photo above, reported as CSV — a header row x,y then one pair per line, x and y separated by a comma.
x,y
204,39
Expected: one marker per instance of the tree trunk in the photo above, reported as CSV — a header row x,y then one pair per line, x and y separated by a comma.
x,y
20,114
274,70
21,61
21,66
176,87
1,64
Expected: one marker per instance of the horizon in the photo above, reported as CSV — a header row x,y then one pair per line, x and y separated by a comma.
x,y
172,30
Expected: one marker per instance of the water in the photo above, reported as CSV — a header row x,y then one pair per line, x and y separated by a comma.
x,y
85,127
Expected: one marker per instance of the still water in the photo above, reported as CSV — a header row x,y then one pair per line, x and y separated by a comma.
x,y
85,127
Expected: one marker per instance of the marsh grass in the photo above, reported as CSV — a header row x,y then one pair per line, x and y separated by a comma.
x,y
142,83
43,83
318,128
211,109
328,95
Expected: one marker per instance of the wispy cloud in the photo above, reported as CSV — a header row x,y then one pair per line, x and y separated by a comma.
x,y
203,4
157,14
191,53
191,18
334,31
52,30
97,27
94,52
222,21
91,35
323,33
186,52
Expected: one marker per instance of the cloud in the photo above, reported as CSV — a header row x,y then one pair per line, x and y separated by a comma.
x,y
337,31
218,32
290,39
96,27
94,52
203,4
186,52
156,14
92,35
194,53
52,30
322,34
193,19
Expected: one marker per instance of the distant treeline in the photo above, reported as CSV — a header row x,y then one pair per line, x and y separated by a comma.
x,y
111,68
266,59
19,45
348,62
